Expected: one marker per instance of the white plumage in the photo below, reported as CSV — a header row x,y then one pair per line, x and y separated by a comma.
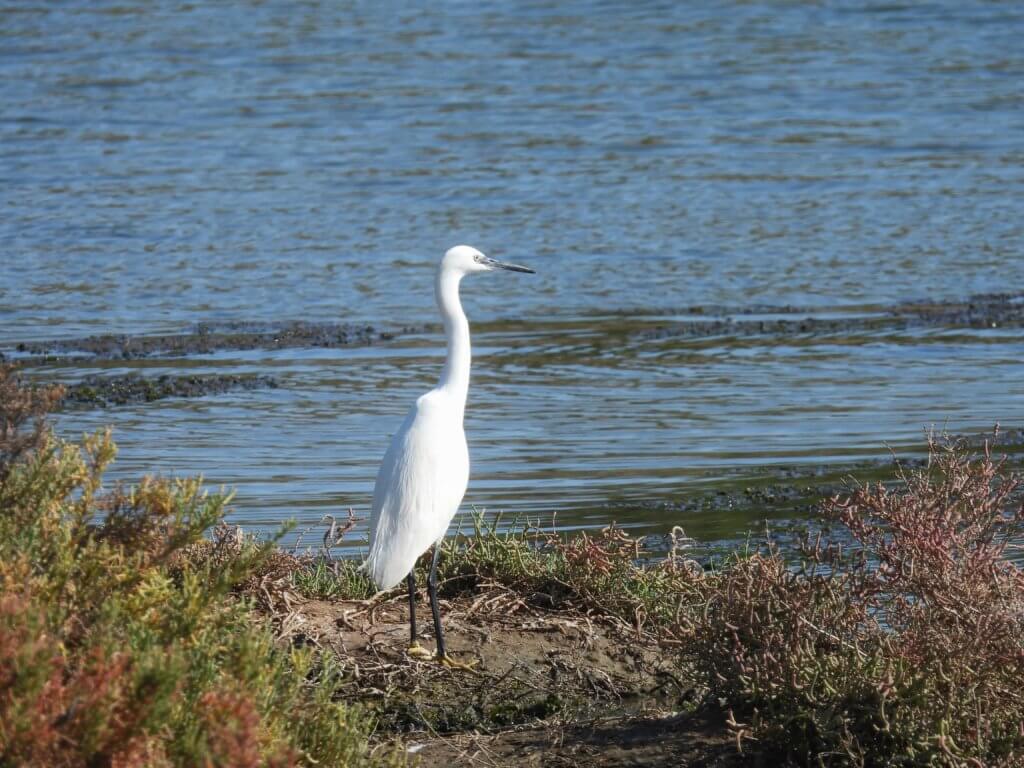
x,y
420,486
424,474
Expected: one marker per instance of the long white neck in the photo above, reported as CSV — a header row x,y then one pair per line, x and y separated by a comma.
x,y
455,376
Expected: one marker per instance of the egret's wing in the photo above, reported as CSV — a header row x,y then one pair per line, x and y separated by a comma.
x,y
387,475
420,485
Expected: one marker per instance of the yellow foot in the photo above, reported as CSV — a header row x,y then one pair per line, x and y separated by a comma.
x,y
417,651
451,663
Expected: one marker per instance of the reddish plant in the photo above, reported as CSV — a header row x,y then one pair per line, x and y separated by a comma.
x,y
234,733
45,707
950,601
902,643
21,406
31,684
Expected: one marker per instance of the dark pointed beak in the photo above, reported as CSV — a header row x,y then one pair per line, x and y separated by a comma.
x,y
510,267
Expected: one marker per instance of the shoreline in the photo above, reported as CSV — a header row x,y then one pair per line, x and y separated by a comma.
x,y
583,647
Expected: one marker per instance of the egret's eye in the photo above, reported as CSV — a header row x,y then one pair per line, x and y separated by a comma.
x,y
478,257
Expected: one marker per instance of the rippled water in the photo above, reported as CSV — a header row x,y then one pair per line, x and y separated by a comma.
x,y
164,164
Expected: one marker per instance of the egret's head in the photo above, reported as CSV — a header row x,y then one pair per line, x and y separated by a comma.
x,y
466,260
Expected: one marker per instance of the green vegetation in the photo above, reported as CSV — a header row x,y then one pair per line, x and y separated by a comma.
x,y
321,578
605,572
117,646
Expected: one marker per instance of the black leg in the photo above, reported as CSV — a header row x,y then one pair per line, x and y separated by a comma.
x,y
411,581
432,591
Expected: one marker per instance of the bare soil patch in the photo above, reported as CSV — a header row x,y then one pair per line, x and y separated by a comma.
x,y
696,740
546,687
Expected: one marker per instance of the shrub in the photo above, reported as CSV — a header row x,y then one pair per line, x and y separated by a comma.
x,y
902,646
118,648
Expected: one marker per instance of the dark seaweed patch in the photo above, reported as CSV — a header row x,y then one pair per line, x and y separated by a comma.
x,y
107,391
982,311
207,338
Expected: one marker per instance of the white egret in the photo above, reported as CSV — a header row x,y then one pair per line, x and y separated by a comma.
x,y
424,474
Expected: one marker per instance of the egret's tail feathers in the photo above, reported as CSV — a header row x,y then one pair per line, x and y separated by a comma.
x,y
386,572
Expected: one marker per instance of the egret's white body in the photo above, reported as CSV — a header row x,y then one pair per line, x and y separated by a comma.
x,y
420,485
425,471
